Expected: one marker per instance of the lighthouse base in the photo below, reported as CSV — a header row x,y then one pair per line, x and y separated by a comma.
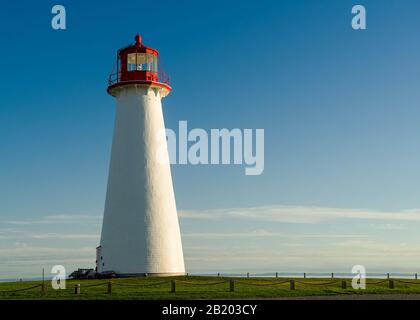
x,y
167,274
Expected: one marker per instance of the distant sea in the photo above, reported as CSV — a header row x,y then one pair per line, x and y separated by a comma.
x,y
378,275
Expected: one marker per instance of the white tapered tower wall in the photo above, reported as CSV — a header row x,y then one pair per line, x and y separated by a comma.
x,y
140,231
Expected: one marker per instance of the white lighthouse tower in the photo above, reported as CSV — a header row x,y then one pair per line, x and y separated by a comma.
x,y
140,231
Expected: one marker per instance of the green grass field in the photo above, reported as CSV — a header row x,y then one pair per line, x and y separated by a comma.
x,y
195,287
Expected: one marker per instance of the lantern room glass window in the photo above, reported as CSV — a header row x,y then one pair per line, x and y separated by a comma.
x,y
152,63
141,62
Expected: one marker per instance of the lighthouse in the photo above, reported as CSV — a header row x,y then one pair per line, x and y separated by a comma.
x,y
140,230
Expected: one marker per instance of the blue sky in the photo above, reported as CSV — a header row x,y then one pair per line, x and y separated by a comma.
x,y
339,108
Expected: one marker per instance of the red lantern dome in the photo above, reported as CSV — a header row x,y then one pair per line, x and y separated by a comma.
x,y
138,64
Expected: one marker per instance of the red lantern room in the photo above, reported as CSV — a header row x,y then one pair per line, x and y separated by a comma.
x,y
138,64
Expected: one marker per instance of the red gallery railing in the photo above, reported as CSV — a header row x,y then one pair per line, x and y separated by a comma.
x,y
116,78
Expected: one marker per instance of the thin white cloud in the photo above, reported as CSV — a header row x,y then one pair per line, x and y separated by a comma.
x,y
264,234
24,248
48,236
62,236
300,214
387,226
57,219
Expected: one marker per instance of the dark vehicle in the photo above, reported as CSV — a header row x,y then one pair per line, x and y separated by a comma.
x,y
83,274
106,275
